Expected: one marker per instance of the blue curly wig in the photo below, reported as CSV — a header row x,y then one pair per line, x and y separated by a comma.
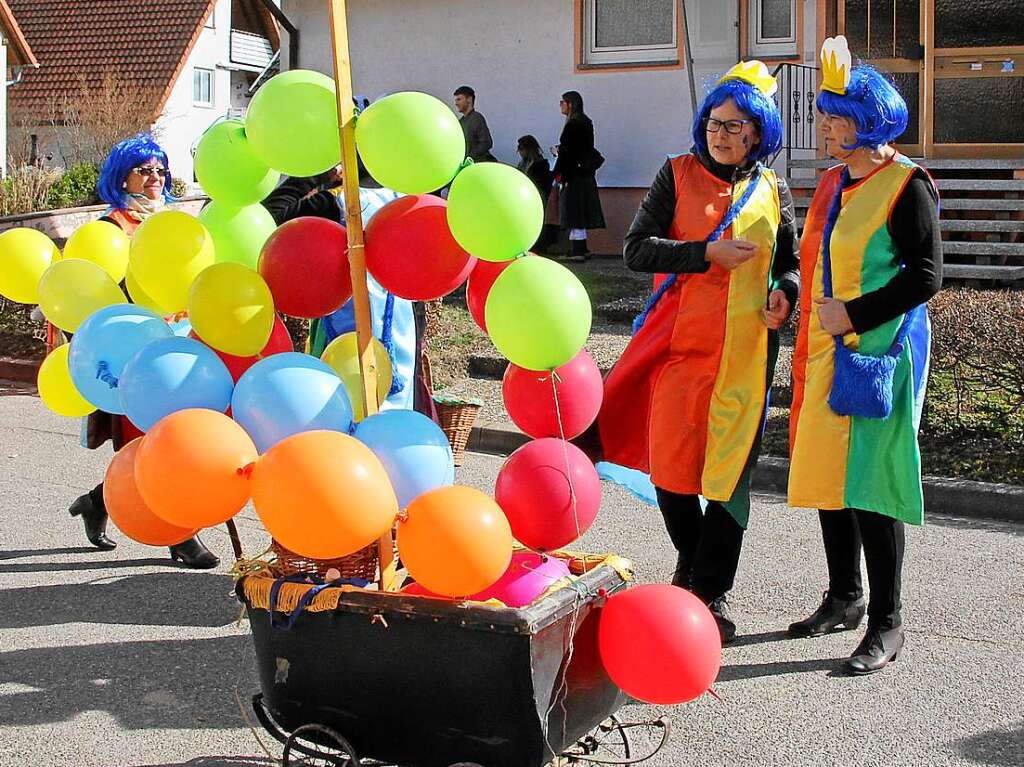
x,y
873,103
750,100
126,155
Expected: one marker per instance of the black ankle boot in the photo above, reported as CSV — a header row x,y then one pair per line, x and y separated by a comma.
x,y
578,251
875,651
726,627
681,576
95,520
192,553
832,614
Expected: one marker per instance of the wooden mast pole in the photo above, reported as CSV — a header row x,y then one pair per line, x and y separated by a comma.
x,y
354,224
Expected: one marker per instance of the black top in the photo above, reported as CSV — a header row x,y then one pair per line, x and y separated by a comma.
x,y
540,174
297,197
914,227
647,249
575,145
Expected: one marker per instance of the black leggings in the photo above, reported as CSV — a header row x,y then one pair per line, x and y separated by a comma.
x,y
708,542
845,533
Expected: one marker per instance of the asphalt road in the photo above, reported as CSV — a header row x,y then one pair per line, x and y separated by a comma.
x,y
120,659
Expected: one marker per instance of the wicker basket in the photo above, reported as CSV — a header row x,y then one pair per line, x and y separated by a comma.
x,y
457,417
362,564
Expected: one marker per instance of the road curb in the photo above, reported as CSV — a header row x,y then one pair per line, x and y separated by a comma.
x,y
24,371
962,498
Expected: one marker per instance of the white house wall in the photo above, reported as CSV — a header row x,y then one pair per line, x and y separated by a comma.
x,y
182,122
519,57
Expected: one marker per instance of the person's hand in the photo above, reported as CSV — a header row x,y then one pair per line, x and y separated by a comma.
x,y
330,178
729,254
778,310
833,316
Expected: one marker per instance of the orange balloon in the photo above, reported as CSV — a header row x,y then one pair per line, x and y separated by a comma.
x,y
323,494
456,541
191,468
126,508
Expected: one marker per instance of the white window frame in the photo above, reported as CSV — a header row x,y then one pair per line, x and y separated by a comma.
x,y
629,55
759,46
211,21
197,99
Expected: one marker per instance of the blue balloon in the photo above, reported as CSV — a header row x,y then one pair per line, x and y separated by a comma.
x,y
289,393
173,374
415,452
102,346
182,327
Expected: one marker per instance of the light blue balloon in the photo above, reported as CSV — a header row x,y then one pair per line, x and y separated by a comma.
x,y
173,374
102,346
415,452
289,393
182,327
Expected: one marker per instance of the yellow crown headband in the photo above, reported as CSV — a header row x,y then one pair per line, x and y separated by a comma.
x,y
755,73
836,64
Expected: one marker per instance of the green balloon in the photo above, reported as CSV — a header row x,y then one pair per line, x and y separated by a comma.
x,y
229,170
494,211
538,313
410,142
238,233
292,123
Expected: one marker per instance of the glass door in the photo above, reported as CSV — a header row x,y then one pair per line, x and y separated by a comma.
x,y
978,71
888,35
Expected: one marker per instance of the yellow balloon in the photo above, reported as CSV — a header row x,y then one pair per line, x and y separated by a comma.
x,y
72,289
342,354
56,389
24,255
104,244
231,309
168,251
141,297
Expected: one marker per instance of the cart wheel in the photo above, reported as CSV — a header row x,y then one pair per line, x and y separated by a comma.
x,y
314,745
618,743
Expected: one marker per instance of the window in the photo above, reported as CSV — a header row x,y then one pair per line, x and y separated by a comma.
x,y
211,20
202,87
629,32
772,29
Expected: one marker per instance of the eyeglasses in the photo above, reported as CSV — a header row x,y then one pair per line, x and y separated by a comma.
x,y
711,125
151,170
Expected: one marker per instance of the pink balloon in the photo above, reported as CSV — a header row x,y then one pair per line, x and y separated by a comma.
x,y
480,281
528,576
411,251
533,489
659,644
530,398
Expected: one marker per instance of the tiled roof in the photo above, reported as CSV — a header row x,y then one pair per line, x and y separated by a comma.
x,y
143,41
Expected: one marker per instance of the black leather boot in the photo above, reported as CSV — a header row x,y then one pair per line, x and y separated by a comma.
x,y
95,520
726,627
875,651
681,576
578,251
832,614
192,553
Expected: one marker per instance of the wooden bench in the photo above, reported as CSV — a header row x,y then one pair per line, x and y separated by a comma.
x,y
982,215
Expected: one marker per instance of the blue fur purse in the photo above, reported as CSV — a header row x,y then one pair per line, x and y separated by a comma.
x,y
862,385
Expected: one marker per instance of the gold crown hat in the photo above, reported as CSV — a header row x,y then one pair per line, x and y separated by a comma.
x,y
836,64
755,73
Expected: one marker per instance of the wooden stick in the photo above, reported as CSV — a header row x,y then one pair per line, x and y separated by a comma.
x,y
354,225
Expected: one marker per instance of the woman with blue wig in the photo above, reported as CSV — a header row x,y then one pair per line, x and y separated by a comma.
x,y
135,181
871,258
687,401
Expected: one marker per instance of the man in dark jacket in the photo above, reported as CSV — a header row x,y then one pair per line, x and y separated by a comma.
x,y
474,126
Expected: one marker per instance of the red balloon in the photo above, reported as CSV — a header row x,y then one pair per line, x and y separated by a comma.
x,y
533,489
530,397
411,252
305,264
280,341
480,280
659,644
